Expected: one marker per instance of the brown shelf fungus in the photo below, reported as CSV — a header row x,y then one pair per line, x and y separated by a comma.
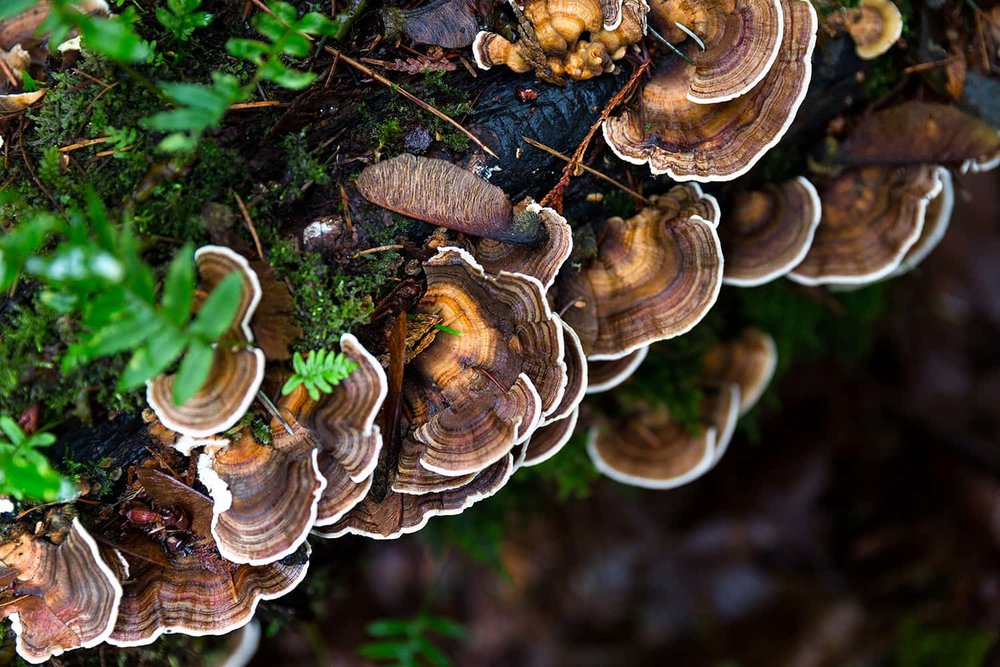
x,y
483,384
579,39
267,497
397,514
874,26
653,277
607,374
717,142
872,216
650,449
749,360
768,232
237,370
733,44
936,221
175,579
57,591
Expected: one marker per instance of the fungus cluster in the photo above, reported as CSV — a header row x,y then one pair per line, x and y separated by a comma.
x,y
578,39
713,116
648,447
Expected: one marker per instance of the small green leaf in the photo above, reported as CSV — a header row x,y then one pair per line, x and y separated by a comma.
x,y
388,628
219,309
312,390
14,7
178,287
11,429
448,330
193,372
384,650
291,384
445,627
153,358
432,653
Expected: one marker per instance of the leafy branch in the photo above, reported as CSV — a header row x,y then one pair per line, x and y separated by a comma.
x,y
201,107
24,471
319,372
405,641
95,273
182,18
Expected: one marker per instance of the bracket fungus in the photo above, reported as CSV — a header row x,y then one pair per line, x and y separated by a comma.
x,y
579,39
237,370
506,357
654,276
872,216
267,497
874,26
936,220
58,593
554,431
721,141
542,261
737,42
768,232
178,582
650,449
605,375
749,360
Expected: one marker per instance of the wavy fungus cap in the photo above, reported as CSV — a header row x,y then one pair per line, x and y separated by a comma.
x,y
474,389
768,232
872,216
654,277
237,371
717,142
874,26
605,375
936,221
741,39
650,449
189,589
61,596
579,39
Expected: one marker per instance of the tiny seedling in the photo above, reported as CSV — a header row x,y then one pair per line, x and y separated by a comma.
x,y
319,372
182,18
25,473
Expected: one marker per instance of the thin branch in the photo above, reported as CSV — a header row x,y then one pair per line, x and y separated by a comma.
x,y
249,223
590,170
554,197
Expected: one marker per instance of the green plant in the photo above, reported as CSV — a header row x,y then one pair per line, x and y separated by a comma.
x,y
920,646
24,471
200,107
319,372
404,642
95,272
182,18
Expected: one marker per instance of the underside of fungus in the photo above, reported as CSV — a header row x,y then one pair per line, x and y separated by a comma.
x,y
607,374
874,26
717,142
654,277
936,220
237,370
768,232
738,42
59,595
872,216
183,584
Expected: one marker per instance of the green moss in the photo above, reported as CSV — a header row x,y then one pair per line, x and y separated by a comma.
x,y
32,340
881,76
303,166
327,302
98,474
